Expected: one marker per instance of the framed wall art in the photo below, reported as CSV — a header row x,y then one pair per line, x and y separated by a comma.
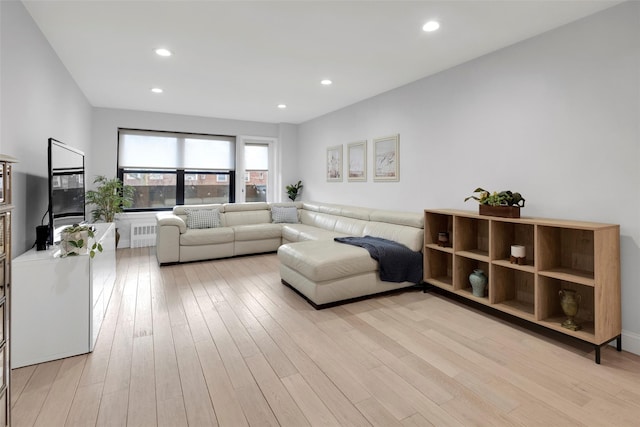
x,y
357,161
386,158
334,163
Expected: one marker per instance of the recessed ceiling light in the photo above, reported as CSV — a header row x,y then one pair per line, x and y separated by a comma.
x,y
431,26
156,90
163,52
326,82
282,106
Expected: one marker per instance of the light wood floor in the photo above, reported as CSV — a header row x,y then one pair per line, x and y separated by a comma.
x,y
225,343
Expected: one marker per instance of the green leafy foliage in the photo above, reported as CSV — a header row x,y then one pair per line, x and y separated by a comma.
x,y
94,247
79,243
109,198
502,198
76,243
293,190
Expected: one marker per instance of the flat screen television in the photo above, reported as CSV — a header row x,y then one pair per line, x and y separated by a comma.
x,y
66,186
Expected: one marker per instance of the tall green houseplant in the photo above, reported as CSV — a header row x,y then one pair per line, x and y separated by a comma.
x,y
109,198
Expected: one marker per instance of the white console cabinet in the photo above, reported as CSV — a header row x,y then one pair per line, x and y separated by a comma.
x,y
58,304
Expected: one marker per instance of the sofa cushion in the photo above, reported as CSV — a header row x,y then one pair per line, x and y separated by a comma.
x,y
287,204
203,218
284,214
247,217
322,260
291,232
248,206
318,234
301,232
349,226
411,219
206,236
318,219
355,212
257,231
411,237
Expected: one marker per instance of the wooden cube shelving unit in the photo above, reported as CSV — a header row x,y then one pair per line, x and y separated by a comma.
x,y
560,254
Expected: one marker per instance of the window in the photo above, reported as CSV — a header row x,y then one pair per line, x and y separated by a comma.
x,y
256,171
167,169
205,188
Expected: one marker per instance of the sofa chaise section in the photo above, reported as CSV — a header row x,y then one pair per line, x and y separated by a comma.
x,y
326,272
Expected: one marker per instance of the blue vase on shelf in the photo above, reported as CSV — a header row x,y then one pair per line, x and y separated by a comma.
x,y
478,282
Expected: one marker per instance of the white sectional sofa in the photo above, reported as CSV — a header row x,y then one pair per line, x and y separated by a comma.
x,y
322,270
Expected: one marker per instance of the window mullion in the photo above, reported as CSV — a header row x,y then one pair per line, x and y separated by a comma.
x,y
180,187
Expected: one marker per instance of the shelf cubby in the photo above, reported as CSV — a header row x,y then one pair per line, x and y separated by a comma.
x,y
513,290
566,253
471,238
550,310
512,233
464,266
436,223
560,254
438,268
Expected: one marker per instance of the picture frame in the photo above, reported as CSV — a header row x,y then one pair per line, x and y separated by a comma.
x,y
357,161
334,163
386,158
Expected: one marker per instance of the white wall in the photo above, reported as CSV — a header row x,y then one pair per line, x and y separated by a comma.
x,y
287,161
555,117
39,100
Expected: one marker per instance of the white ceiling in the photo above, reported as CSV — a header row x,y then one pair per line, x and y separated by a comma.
x,y
239,59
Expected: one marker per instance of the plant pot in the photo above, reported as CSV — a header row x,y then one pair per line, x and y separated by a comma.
x,y
69,248
501,211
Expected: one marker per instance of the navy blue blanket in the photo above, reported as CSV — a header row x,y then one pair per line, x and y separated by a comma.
x,y
397,262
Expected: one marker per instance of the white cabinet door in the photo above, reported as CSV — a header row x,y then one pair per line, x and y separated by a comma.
x,y
50,310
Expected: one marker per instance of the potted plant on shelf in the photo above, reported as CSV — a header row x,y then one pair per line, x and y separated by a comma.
x,y
74,240
110,197
293,190
504,203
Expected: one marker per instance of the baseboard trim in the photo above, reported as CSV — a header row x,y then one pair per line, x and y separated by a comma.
x,y
630,342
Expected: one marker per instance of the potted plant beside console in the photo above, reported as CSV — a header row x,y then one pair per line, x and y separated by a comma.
x,y
74,240
110,197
